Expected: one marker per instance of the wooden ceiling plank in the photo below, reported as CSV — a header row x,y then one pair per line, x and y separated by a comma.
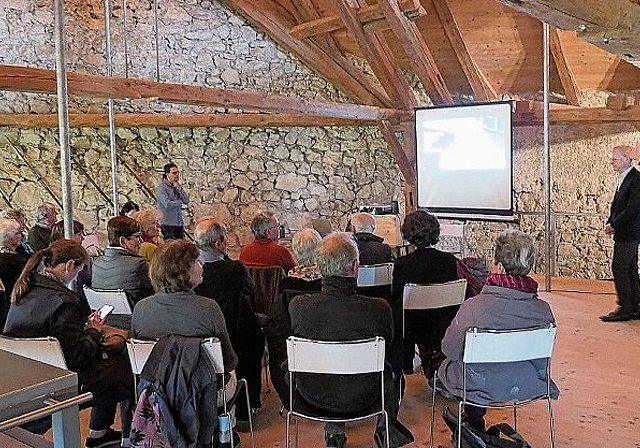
x,y
529,113
370,16
481,87
416,48
406,168
571,89
379,57
27,79
138,120
308,52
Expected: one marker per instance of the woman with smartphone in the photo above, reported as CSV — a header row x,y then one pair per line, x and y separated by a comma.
x,y
42,305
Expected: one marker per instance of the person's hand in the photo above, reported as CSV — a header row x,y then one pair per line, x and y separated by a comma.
x,y
608,229
95,321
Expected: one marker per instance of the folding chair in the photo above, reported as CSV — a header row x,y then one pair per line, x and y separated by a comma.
x,y
46,349
117,298
425,297
266,281
213,348
139,351
334,358
375,275
505,346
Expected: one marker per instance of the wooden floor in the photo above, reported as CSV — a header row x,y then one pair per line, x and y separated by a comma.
x,y
595,364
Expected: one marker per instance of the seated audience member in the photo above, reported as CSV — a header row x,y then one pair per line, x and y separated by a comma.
x,y
306,275
337,313
371,247
425,265
24,249
84,276
149,221
129,209
40,234
509,300
41,305
265,250
220,273
176,309
120,267
11,263
228,283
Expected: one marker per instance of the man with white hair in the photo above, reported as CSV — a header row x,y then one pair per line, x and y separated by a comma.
x,y
337,313
623,225
40,234
371,247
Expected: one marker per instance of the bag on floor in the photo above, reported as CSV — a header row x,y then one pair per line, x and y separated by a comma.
x,y
473,438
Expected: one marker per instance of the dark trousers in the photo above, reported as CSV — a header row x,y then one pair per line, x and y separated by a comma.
x,y
625,275
172,232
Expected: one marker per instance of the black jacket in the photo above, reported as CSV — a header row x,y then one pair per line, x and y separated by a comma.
x,y
625,209
372,249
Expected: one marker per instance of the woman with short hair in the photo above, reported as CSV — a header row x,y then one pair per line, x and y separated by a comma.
x,y
305,276
149,221
508,300
42,305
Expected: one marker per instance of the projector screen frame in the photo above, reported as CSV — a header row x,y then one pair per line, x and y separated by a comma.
x,y
470,213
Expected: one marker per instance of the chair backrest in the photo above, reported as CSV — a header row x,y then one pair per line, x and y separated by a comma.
x,y
116,298
331,357
489,346
266,283
139,351
46,349
375,274
437,295
213,349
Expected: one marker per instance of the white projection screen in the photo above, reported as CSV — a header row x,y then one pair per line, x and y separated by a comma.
x,y
463,155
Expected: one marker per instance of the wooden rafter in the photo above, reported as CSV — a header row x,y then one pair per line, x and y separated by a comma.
x,y
480,86
568,80
326,65
406,168
529,113
419,54
28,79
378,55
253,120
370,16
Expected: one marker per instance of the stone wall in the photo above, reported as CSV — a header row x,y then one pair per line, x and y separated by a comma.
x,y
298,172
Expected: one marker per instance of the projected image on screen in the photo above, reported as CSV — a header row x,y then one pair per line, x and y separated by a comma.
x,y
464,160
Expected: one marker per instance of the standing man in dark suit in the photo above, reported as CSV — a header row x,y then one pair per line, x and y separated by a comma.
x,y
624,225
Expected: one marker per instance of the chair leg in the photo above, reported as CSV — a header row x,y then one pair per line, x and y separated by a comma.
x,y
287,444
246,392
551,423
386,428
433,411
460,405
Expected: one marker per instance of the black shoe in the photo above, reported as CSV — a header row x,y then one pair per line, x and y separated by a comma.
x,y
335,440
109,439
617,317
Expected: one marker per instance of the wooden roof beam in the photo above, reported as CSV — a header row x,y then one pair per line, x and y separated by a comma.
x,y
38,80
529,113
140,120
333,69
482,89
418,52
406,168
378,55
571,89
370,16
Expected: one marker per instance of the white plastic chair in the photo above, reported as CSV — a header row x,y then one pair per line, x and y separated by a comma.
x,y
334,358
46,349
505,346
140,350
437,295
117,298
375,275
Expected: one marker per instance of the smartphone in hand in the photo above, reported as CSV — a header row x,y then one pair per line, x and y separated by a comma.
x,y
105,311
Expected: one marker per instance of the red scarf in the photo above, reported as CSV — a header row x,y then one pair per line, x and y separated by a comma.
x,y
518,282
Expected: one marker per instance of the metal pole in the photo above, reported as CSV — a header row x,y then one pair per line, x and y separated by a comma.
x,y
547,164
63,118
157,29
112,124
125,38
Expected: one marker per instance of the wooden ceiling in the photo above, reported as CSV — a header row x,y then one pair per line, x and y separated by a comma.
x,y
480,49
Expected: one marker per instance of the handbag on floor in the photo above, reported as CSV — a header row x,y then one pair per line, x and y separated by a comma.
x,y
474,438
